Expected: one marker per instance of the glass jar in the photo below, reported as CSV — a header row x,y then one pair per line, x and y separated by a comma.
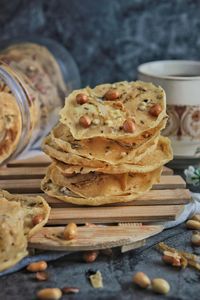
x,y
34,80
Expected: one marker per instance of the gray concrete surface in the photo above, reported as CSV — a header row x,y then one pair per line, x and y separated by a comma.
x,y
117,274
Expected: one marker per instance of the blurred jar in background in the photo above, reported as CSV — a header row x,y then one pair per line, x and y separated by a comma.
x,y
33,84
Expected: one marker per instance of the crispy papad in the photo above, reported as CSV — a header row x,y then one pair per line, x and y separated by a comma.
x,y
10,125
66,195
151,161
13,243
110,151
96,184
32,206
107,117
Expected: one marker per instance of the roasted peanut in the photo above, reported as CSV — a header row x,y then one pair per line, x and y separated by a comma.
x,y
107,252
70,290
155,110
90,256
196,238
192,224
196,217
172,258
41,276
49,294
37,266
160,286
142,280
70,231
129,126
37,219
85,121
111,94
81,98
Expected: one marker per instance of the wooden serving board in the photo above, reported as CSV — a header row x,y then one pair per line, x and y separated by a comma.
x,y
164,202
93,238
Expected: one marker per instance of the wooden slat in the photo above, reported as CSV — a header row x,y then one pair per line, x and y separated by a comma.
x,y
132,246
24,172
153,197
114,214
37,161
90,238
167,171
33,185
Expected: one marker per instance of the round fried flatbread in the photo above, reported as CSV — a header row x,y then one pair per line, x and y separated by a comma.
x,y
13,243
96,184
32,206
107,117
64,194
151,161
10,125
110,151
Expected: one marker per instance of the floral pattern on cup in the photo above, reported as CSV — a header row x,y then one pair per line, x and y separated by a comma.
x,y
184,121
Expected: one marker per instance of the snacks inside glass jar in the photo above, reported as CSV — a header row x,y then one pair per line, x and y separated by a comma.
x,y
33,86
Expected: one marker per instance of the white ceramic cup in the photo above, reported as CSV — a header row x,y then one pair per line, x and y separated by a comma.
x,y
181,81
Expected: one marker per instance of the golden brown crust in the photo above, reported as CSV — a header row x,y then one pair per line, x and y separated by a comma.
x,y
32,206
107,118
13,243
10,125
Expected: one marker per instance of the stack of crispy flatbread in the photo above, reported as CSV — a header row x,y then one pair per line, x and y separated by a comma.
x,y
18,222
107,145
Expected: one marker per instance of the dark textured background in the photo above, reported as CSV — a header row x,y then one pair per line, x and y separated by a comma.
x,y
109,38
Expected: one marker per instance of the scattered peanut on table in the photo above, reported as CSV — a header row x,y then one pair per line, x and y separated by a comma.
x,y
41,276
142,280
70,290
90,256
172,258
193,224
160,286
195,238
49,294
70,231
37,266
196,217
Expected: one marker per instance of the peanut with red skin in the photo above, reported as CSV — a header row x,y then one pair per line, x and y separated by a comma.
x,y
129,126
112,94
37,219
41,276
81,98
90,256
155,110
85,121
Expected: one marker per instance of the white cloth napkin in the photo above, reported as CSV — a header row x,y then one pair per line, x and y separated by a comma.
x,y
189,210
